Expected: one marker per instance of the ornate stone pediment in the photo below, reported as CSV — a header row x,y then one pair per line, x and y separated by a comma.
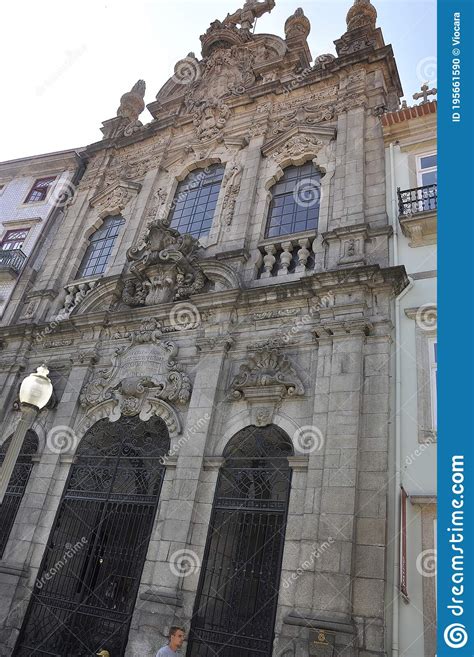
x,y
267,374
298,142
114,198
142,373
164,266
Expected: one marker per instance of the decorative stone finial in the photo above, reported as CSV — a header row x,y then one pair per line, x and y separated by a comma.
x,y
132,103
361,14
297,26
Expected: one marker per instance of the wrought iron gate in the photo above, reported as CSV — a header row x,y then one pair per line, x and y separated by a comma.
x,y
16,485
88,582
237,596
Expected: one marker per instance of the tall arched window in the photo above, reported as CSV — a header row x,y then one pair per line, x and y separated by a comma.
x,y
238,589
16,486
195,201
100,247
295,201
86,589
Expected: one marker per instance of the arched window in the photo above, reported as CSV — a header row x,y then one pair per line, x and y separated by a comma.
x,y
295,201
16,486
195,201
86,589
100,247
237,596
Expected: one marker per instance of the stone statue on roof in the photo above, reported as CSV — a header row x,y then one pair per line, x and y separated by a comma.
x,y
247,16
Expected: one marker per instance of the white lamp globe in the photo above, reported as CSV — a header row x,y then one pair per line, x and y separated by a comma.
x,y
36,389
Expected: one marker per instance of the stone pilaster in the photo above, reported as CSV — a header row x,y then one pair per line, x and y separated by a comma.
x,y
166,596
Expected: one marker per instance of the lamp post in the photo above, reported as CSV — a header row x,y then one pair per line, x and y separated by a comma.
x,y
35,393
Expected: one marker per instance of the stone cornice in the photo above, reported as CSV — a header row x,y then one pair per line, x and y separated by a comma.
x,y
317,284
53,163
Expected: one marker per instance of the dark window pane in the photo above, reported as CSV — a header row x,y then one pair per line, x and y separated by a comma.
x,y
288,214
100,247
198,195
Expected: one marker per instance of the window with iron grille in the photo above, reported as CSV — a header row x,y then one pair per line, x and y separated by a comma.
x,y
40,189
100,247
195,201
295,201
14,239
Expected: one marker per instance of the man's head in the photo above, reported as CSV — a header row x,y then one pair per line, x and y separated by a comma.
x,y
176,637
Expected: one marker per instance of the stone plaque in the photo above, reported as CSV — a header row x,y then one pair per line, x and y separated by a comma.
x,y
321,643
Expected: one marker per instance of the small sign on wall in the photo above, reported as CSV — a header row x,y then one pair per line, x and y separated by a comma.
x,y
321,643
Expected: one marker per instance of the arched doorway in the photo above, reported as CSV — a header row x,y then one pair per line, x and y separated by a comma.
x,y
16,485
237,597
88,582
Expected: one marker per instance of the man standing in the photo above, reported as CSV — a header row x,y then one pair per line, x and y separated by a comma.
x,y
176,638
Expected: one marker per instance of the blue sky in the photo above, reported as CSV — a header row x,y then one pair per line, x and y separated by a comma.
x,y
65,65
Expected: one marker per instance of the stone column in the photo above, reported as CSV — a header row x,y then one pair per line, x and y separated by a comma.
x,y
322,588
371,508
168,596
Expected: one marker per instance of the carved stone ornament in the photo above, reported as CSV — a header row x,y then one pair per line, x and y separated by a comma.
x,y
231,183
114,199
302,115
323,60
131,106
224,73
210,118
143,372
249,13
361,14
298,145
267,370
297,26
164,267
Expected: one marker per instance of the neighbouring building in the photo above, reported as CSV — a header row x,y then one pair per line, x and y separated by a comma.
x,y
217,312
33,194
411,165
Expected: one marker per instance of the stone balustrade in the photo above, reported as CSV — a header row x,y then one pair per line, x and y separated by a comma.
x,y
286,256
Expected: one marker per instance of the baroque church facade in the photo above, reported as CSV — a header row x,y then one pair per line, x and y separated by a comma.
x,y
216,311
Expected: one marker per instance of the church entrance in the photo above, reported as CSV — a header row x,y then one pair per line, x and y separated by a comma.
x,y
87,585
237,598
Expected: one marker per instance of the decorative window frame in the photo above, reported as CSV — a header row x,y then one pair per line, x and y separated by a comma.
x,y
425,337
177,173
276,160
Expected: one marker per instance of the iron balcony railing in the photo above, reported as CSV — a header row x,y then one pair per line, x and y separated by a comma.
x,y
12,259
418,199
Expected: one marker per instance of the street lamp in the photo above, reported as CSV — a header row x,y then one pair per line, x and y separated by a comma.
x,y
35,393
